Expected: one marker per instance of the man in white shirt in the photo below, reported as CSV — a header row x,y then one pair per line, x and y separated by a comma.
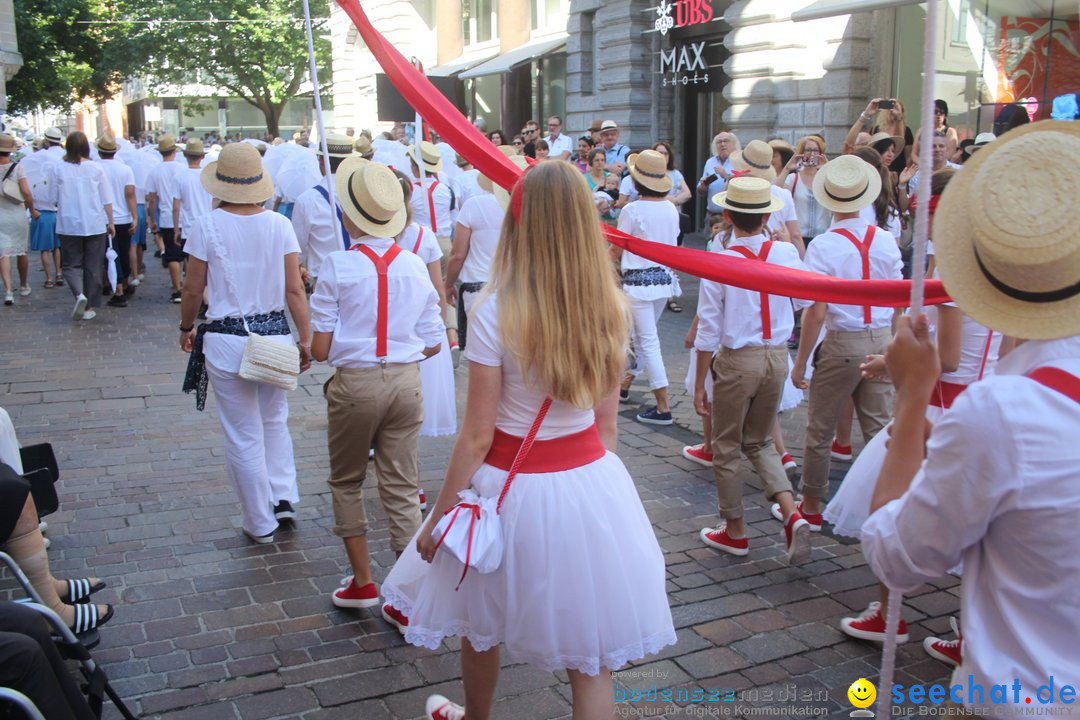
x,y
909,187
718,169
742,337
40,169
614,152
560,146
160,192
191,201
851,248
125,215
375,314
996,484
316,219
756,160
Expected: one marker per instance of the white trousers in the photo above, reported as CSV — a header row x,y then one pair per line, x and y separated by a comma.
x,y
646,340
258,448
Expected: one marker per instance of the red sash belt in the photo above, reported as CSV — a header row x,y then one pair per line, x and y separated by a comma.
x,y
945,394
561,453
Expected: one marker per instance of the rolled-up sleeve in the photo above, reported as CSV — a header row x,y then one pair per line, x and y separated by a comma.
x,y
710,316
324,301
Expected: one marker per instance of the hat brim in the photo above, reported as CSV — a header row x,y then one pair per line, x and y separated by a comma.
x,y
389,229
739,163
865,198
663,184
775,204
958,267
970,149
256,192
897,141
428,166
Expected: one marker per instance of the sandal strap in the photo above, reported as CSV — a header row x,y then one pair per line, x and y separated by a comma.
x,y
78,588
86,618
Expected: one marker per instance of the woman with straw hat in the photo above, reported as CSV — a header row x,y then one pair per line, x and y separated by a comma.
x,y
14,228
246,259
647,285
559,550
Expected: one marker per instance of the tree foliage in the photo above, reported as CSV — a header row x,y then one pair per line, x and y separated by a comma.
x,y
254,50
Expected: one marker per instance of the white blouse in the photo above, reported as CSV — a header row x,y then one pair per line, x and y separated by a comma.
x,y
83,191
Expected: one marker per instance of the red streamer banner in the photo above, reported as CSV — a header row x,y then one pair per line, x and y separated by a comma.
x,y
470,143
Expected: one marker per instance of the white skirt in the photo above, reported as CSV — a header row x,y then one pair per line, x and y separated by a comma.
x,y
582,584
440,400
791,398
691,377
850,507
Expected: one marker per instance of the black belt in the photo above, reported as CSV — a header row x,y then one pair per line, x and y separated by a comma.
x,y
474,287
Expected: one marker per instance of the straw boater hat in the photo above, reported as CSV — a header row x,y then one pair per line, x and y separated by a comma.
x,y
54,135
786,150
363,146
981,141
755,158
1008,251
106,142
370,194
430,155
650,169
898,142
7,142
237,176
747,194
194,148
166,143
847,184
501,194
340,146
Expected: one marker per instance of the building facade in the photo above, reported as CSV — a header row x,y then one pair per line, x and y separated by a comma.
x,y
9,49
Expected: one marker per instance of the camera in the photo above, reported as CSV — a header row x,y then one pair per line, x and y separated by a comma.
x,y
886,104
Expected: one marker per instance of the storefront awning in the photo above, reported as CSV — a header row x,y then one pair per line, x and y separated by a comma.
x,y
461,64
522,54
832,8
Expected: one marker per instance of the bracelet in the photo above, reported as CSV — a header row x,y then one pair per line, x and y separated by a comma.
x,y
187,329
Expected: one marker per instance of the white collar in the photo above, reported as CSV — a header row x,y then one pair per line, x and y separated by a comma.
x,y
1035,353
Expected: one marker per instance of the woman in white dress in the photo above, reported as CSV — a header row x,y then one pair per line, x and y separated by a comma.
x,y
14,227
436,373
581,582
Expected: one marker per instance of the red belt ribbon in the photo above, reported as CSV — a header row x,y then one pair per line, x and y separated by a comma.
x,y
561,453
945,394
382,265
766,319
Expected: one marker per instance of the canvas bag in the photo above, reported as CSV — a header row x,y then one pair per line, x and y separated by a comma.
x,y
10,188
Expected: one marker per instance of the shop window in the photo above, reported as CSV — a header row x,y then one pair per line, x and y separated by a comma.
x,y
549,15
960,22
478,21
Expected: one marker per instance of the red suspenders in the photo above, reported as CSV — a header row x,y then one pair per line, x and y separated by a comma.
x,y
419,236
766,319
381,266
1057,379
431,204
864,252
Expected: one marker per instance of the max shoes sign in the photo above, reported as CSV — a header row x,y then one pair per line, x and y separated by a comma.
x,y
684,64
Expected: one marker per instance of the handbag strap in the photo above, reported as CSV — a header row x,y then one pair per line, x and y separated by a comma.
x,y
523,451
10,170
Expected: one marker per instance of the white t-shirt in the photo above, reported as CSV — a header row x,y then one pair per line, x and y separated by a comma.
x,y
194,200
119,176
428,250
560,145
483,215
781,217
162,181
892,225
465,186
83,191
40,169
255,247
519,401
656,221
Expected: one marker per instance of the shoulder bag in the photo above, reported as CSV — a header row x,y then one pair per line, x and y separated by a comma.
x,y
10,188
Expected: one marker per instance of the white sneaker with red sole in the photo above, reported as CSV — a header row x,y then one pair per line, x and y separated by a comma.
x,y
950,652
696,453
870,625
797,539
718,538
439,708
395,617
351,595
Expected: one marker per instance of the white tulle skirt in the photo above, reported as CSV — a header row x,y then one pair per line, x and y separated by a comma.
x,y
581,585
850,507
440,399
791,398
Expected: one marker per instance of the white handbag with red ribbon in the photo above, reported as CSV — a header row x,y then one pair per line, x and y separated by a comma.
x,y
471,530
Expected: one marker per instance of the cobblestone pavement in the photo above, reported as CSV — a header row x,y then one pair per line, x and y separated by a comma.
x,y
209,625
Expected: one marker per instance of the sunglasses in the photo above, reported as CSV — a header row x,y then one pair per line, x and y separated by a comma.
x,y
518,142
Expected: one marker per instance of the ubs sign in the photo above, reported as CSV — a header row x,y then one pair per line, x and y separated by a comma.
x,y
687,13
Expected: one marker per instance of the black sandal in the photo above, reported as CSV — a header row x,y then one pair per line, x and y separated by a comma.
x,y
88,618
674,306
81,588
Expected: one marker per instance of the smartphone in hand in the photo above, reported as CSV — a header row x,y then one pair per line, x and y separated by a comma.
x,y
886,104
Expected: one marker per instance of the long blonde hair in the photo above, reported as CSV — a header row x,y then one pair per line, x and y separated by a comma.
x,y
561,311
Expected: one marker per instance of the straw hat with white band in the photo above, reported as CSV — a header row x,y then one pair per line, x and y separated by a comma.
x,y
371,197
500,194
847,184
429,154
237,176
747,194
755,158
340,146
650,169
54,135
106,142
1005,233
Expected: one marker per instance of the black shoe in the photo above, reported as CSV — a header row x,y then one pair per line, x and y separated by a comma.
x,y
624,396
158,253
175,297
117,301
284,511
129,290
653,416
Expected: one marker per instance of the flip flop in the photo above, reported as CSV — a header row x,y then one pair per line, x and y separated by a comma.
x,y
49,284
674,306
81,588
87,617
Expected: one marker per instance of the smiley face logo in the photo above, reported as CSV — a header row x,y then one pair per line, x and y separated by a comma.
x,y
862,693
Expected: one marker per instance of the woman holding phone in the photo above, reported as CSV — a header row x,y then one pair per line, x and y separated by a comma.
x,y
798,177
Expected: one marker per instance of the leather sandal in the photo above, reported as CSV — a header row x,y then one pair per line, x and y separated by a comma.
x,y
87,617
80,589
674,306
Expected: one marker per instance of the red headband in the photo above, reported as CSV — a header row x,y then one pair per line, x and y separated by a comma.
x,y
516,193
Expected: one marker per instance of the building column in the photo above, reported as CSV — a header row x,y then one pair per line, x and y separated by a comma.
x,y
450,35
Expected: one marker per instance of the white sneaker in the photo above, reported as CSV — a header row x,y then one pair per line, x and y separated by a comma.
x,y
135,282
439,708
80,307
24,290
9,299
89,315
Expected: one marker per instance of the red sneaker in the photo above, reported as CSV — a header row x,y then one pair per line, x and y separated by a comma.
x,y
870,625
439,708
351,595
814,520
395,617
718,538
797,539
696,453
841,452
789,463
950,652
423,499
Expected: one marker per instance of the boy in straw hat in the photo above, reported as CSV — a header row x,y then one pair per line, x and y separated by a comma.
x,y
191,201
125,214
996,484
854,249
317,220
375,314
160,193
742,336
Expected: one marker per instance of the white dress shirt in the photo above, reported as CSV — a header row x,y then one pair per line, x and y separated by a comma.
x,y
428,250
40,169
345,303
483,216
893,225
442,198
999,489
317,227
835,255
120,177
712,167
194,200
731,317
162,181
559,145
83,191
